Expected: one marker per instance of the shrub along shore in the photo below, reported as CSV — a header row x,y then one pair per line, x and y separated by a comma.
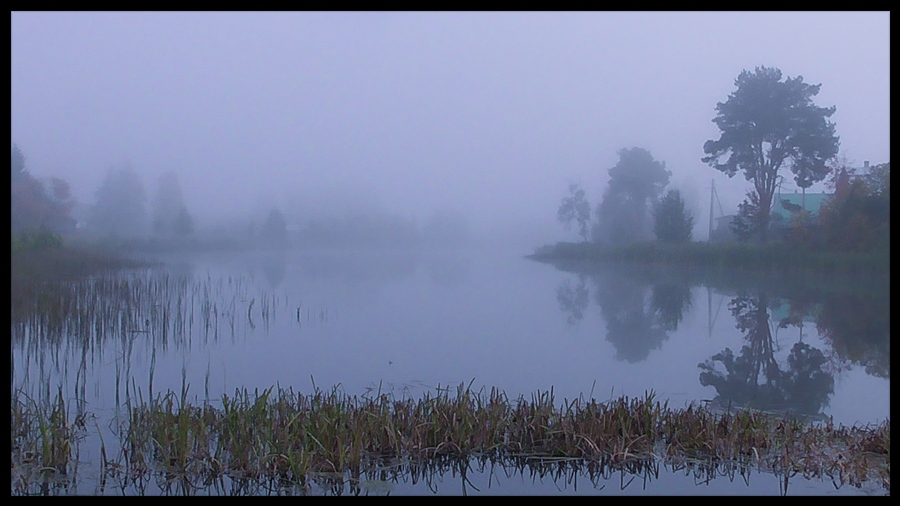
x,y
288,437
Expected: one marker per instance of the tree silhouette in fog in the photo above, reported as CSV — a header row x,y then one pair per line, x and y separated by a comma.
x,y
119,207
767,124
36,205
170,215
635,181
575,207
671,223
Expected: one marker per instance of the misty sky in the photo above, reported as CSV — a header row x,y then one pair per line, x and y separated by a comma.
x,y
491,114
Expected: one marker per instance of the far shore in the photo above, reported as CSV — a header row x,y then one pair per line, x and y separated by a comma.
x,y
774,257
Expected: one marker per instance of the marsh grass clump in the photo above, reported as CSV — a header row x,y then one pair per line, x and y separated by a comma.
x,y
43,443
280,436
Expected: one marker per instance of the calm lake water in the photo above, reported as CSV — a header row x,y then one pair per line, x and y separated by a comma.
x,y
410,322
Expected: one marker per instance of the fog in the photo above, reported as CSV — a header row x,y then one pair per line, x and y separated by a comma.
x,y
488,115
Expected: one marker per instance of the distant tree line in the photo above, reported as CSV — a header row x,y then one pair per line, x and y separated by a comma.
x,y
631,209
120,210
42,211
443,229
274,228
39,211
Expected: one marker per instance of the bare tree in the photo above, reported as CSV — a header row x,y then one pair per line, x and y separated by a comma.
x,y
575,208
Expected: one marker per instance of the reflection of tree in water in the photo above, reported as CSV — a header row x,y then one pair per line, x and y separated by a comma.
x,y
754,377
447,271
670,301
274,267
573,300
633,325
859,329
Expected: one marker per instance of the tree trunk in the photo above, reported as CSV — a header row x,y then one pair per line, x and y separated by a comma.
x,y
766,194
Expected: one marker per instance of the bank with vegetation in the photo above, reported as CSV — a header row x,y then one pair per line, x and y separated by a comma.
x,y
642,218
772,257
41,260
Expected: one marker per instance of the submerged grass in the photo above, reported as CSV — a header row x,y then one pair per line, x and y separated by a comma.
x,y
293,438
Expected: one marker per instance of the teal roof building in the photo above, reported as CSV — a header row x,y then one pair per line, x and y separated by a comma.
x,y
785,204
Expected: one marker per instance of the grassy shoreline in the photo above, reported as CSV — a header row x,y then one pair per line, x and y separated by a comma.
x,y
31,272
65,264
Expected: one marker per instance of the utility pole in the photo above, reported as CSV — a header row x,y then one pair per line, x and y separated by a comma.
x,y
713,194
712,189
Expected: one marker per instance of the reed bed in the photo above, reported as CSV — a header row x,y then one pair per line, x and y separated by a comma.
x,y
44,443
143,304
288,438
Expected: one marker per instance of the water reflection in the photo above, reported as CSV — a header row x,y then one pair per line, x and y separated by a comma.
x,y
447,271
132,336
356,268
669,302
638,317
632,324
754,378
573,300
797,335
858,327
274,267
